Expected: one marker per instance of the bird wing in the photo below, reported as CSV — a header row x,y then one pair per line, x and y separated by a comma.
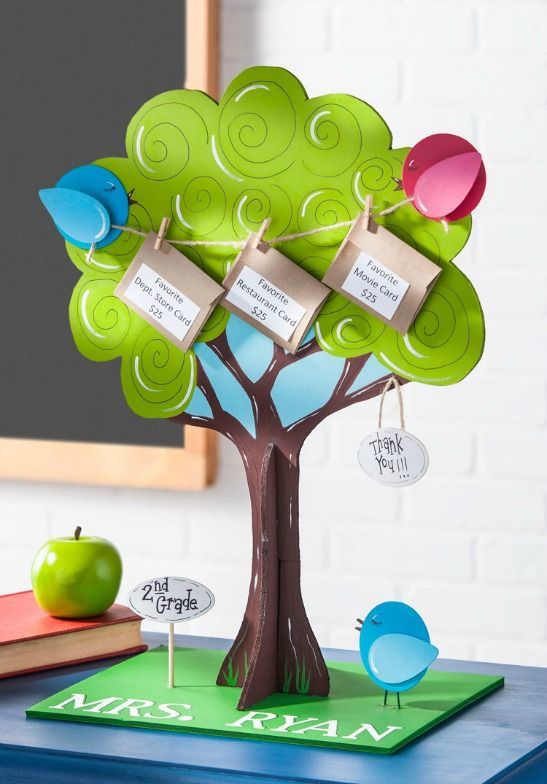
x,y
77,216
395,658
443,186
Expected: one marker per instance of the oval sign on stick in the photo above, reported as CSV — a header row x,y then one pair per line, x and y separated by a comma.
x,y
171,599
392,456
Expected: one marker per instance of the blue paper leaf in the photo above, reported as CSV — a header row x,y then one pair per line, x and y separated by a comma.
x,y
305,386
372,371
252,349
308,337
231,395
199,406
80,218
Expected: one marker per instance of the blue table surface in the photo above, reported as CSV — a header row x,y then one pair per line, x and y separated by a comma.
x,y
502,738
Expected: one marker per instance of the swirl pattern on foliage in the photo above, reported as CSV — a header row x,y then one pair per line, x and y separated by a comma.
x,y
165,136
324,207
100,321
201,207
256,134
334,139
346,327
266,150
372,176
253,205
157,378
439,345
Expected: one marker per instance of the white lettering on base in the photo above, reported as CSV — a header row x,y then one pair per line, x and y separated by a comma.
x,y
328,728
133,706
170,712
374,734
292,721
256,718
78,702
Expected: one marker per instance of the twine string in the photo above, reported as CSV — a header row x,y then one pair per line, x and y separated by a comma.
x,y
275,241
392,382
241,243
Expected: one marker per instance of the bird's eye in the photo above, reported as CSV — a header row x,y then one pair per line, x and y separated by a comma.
x,y
110,187
375,620
412,164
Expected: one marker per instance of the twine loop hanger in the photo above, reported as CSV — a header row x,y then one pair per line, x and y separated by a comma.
x,y
392,382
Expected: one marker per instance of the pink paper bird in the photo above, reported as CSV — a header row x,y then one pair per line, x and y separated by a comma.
x,y
445,177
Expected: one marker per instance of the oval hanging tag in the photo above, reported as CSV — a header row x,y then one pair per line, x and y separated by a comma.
x,y
394,457
170,599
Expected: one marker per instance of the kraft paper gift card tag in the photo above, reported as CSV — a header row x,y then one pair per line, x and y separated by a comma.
x,y
272,293
169,291
381,273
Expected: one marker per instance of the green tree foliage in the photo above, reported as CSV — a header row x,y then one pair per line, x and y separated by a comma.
x,y
267,150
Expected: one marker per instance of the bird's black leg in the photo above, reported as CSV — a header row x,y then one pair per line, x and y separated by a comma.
x,y
385,698
398,700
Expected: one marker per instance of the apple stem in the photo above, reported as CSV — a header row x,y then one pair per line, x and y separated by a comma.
x,y
77,532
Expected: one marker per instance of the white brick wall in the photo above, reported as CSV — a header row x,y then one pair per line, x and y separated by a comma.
x,y
466,546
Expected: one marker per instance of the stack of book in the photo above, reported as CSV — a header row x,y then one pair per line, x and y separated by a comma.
x,y
30,640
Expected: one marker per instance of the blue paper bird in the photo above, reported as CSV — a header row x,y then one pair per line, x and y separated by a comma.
x,y
85,203
395,648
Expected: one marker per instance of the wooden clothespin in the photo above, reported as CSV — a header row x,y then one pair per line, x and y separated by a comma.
x,y
261,232
367,211
164,225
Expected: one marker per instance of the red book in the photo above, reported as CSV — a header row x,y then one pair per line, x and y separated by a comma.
x,y
31,640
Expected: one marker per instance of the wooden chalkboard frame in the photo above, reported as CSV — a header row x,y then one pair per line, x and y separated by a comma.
x,y
190,467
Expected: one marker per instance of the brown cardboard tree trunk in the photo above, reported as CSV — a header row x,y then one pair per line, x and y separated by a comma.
x,y
275,649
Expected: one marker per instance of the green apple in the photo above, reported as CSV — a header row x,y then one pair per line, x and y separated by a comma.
x,y
76,576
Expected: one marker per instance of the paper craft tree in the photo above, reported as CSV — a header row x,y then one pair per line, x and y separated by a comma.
x,y
267,150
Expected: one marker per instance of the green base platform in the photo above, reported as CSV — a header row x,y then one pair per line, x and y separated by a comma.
x,y
134,693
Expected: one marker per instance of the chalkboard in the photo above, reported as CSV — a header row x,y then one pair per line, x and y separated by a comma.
x,y
73,74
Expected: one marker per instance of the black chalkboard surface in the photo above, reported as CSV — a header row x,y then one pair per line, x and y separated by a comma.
x,y
72,73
